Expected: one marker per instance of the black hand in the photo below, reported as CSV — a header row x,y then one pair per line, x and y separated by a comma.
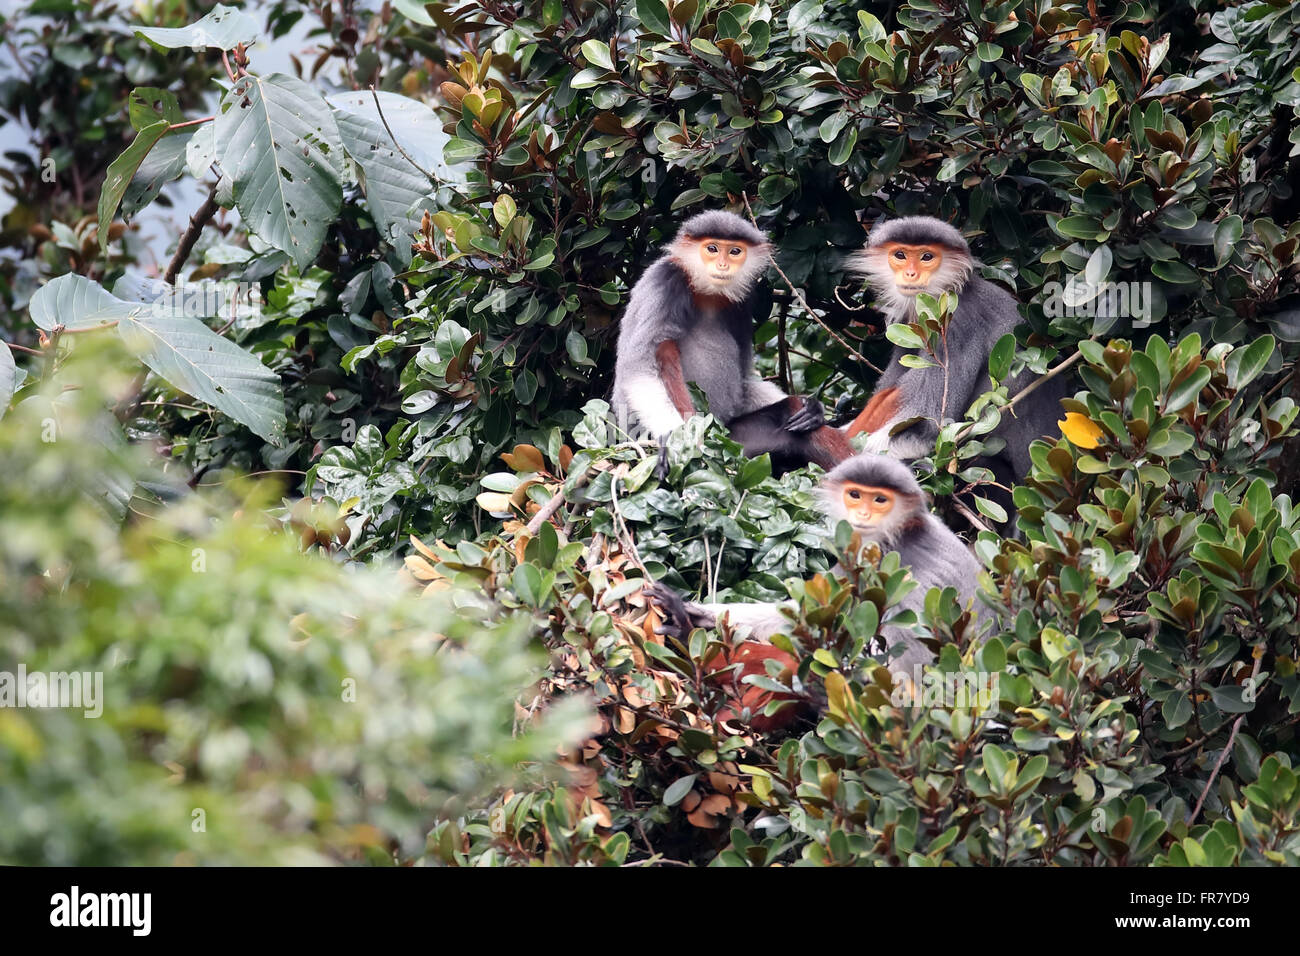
x,y
676,618
661,469
809,418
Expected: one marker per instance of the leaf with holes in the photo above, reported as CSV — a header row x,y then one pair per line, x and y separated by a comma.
x,y
223,28
279,143
393,183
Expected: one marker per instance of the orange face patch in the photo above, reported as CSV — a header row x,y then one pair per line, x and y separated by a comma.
x,y
913,266
722,258
867,504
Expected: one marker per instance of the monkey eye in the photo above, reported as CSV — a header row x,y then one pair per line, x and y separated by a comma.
x,y
900,254
855,494
927,256
712,247
736,250
881,500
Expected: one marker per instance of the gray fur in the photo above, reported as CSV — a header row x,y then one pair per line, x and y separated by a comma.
x,y
716,346
878,470
935,556
720,224
918,231
985,313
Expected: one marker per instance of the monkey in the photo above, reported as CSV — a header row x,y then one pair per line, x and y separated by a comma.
x,y
908,256
691,319
881,499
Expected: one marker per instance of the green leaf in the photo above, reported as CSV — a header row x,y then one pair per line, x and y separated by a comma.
x,y
223,28
840,152
678,790
596,53
165,162
754,471
77,303
525,386
1187,391
653,15
1226,236
988,52
576,345
197,361
904,336
1176,272
1244,365
1177,217
393,182
527,582
1000,356
120,173
773,189
279,143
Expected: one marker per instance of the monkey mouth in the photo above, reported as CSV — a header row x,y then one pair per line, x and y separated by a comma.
x,y
721,276
912,289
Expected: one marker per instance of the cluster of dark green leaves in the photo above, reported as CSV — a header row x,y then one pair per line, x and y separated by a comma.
x,y
1146,623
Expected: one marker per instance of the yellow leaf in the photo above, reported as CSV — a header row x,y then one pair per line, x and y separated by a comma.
x,y
494,502
1080,430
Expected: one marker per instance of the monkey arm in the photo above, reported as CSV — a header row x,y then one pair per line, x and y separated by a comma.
x,y
762,620
669,356
657,317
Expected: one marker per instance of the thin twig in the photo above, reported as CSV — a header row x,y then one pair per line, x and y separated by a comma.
x,y
535,523
969,515
1223,754
202,216
432,177
807,308
624,536
1023,393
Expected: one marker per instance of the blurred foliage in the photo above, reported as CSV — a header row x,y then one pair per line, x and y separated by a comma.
x,y
1144,620
258,705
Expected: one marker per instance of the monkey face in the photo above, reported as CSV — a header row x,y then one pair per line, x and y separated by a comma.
x,y
913,266
867,506
722,260
721,267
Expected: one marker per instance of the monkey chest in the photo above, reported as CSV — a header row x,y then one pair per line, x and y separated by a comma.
x,y
711,359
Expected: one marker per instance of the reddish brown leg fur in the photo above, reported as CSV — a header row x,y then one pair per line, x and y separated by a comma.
x,y
882,407
830,446
669,357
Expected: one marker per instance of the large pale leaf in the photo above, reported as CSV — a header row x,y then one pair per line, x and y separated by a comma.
x,y
278,142
181,349
197,361
8,377
223,28
76,303
393,185
201,151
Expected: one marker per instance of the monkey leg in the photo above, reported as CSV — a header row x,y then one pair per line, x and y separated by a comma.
x,y
766,431
878,412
